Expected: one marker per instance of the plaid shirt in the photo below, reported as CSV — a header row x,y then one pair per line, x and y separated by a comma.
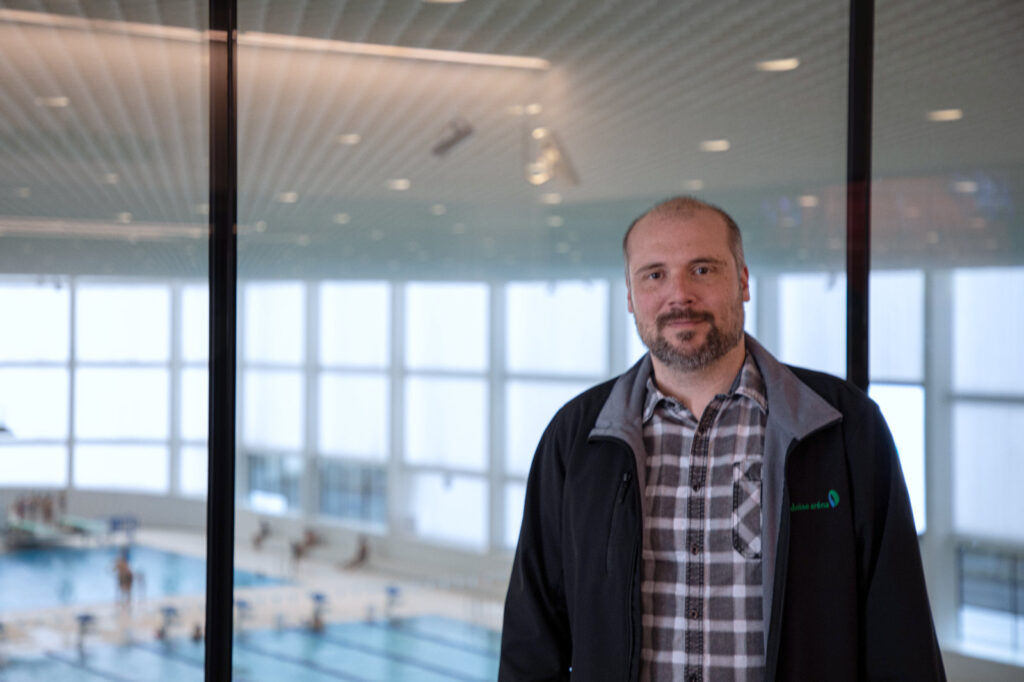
x,y
701,589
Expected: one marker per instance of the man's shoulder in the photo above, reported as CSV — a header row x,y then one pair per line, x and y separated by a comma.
x,y
589,402
842,394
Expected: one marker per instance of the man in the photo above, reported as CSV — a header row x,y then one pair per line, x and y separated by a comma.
x,y
713,514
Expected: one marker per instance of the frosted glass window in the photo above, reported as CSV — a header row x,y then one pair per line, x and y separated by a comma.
x,y
986,631
515,498
123,323
812,321
903,408
37,322
122,403
275,319
354,415
274,409
34,402
446,326
355,323
121,467
446,422
896,326
34,465
987,471
450,509
636,347
195,397
557,328
195,323
530,405
988,330
192,475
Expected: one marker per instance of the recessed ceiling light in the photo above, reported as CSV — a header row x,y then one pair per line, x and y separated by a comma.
x,y
555,221
438,209
551,198
693,185
56,102
23,192
778,64
459,228
715,146
111,178
399,184
534,109
260,225
342,218
303,240
539,133
124,217
562,247
350,138
965,186
807,200
288,197
940,115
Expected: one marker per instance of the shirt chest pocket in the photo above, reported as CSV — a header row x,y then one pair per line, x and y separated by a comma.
x,y
746,507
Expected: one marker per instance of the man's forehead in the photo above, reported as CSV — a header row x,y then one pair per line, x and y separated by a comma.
x,y
701,222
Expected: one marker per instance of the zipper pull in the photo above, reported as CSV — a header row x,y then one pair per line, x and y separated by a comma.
x,y
624,486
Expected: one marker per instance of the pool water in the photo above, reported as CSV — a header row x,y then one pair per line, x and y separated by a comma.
x,y
61,576
420,649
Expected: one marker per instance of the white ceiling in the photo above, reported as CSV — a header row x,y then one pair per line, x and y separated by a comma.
x,y
103,133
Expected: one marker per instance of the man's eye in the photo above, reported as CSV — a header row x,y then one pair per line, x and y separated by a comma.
x,y
702,270
654,275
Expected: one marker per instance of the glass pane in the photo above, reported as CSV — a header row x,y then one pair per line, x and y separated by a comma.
x,y
34,403
140,468
123,323
446,326
273,413
275,315
355,324
353,491
122,403
274,483
987,466
449,508
896,351
557,327
36,321
812,320
903,409
195,399
193,480
446,422
988,327
354,412
530,406
41,466
195,323
103,224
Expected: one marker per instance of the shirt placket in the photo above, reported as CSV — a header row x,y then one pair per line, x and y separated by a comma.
x,y
696,567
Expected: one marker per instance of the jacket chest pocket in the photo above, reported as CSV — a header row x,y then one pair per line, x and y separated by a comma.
x,y
746,507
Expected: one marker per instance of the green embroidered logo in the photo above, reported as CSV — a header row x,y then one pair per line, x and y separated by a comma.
x,y
832,501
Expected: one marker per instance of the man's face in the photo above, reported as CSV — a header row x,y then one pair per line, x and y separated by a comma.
x,y
684,289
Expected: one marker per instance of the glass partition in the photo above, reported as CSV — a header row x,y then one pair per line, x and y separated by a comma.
x,y
103,262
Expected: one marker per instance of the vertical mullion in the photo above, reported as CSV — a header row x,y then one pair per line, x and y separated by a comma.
x,y
220,519
858,189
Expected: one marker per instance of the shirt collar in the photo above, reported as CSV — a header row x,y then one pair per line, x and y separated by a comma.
x,y
748,384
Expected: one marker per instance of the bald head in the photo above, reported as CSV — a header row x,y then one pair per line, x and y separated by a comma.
x,y
684,208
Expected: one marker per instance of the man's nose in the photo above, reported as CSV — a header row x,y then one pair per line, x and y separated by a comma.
x,y
682,291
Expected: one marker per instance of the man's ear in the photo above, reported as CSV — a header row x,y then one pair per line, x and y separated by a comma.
x,y
745,283
629,296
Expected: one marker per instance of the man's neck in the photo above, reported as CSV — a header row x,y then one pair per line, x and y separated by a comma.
x,y
696,388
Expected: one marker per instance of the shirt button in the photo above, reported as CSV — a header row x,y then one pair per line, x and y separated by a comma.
x,y
696,487
695,549
693,613
694,677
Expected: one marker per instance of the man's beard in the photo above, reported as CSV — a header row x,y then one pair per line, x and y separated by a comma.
x,y
717,342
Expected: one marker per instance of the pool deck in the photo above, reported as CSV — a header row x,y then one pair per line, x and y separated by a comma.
x,y
350,595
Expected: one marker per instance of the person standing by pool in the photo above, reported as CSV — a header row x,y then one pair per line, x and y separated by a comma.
x,y
123,571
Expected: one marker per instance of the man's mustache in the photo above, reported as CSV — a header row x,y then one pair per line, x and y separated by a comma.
x,y
683,315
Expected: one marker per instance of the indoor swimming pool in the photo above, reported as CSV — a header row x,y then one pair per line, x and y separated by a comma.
x,y
420,649
62,576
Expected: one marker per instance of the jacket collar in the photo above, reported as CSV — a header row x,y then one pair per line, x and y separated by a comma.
x,y
792,405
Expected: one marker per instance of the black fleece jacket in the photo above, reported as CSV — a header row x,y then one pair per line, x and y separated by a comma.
x,y
845,597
